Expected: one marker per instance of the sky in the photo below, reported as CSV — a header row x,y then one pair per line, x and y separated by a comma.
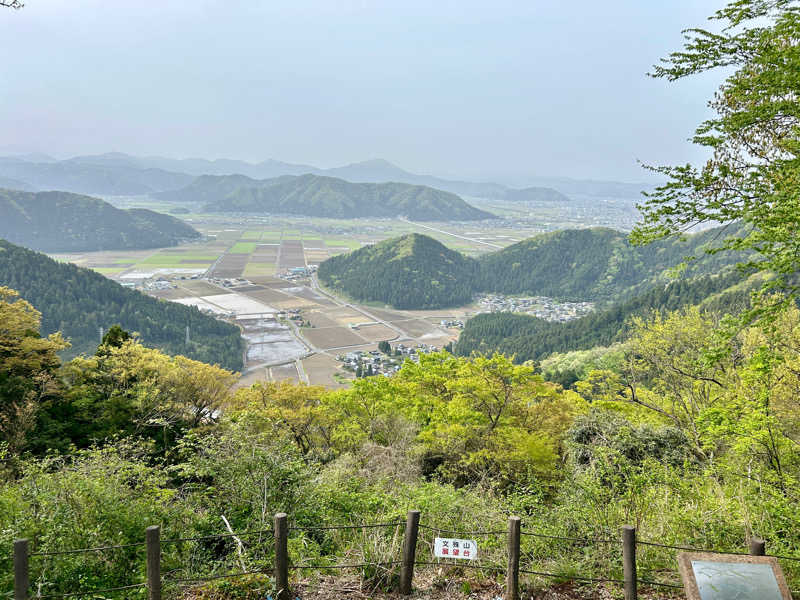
x,y
477,90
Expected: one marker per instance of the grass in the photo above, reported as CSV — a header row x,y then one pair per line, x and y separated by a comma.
x,y
251,235
243,248
342,242
106,270
258,269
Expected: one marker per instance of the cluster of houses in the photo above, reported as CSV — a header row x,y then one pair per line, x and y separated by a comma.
x,y
296,273
537,306
374,362
452,323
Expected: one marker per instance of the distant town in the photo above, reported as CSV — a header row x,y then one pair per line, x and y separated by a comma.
x,y
537,306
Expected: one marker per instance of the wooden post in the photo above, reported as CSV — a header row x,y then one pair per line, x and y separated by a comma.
x,y
409,551
757,547
153,539
21,569
629,561
282,557
512,576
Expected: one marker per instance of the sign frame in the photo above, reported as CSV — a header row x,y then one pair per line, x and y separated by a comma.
x,y
690,582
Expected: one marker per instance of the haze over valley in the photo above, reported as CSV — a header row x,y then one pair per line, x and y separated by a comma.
x,y
442,301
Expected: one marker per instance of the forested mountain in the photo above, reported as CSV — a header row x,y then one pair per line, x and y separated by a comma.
x,y
582,264
79,301
531,338
86,178
318,196
413,271
66,222
536,194
596,264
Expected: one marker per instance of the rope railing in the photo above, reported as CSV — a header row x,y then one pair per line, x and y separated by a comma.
x,y
462,533
387,563
571,539
93,592
86,550
215,536
489,562
334,527
572,577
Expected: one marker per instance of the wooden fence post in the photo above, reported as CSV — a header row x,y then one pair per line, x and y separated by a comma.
x,y
152,536
281,557
409,551
22,579
512,576
757,547
629,561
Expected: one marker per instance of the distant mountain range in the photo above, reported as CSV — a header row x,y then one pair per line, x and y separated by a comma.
x,y
415,272
122,174
320,196
66,222
88,178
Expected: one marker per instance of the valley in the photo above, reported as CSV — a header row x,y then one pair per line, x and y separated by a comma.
x,y
294,329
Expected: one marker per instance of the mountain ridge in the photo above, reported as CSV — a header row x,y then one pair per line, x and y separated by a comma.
x,y
67,222
596,264
78,301
322,196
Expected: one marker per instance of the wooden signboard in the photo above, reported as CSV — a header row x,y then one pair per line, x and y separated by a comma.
x,y
708,576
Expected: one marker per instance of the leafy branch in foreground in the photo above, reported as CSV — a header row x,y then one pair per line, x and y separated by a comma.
x,y
753,176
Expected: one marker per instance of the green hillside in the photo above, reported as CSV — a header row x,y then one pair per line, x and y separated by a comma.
x,y
594,264
413,271
582,264
65,222
79,301
318,196
531,338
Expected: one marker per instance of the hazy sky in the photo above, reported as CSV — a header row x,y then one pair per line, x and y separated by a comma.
x,y
462,88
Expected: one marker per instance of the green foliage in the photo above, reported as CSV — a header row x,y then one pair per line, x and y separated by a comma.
x,y
318,196
593,264
417,272
530,338
753,140
64,222
78,302
130,390
663,431
28,365
413,272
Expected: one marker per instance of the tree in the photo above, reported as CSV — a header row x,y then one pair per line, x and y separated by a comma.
x,y
12,3
114,337
384,347
751,181
28,364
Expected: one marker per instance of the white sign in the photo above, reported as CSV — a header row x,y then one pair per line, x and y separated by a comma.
x,y
455,548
